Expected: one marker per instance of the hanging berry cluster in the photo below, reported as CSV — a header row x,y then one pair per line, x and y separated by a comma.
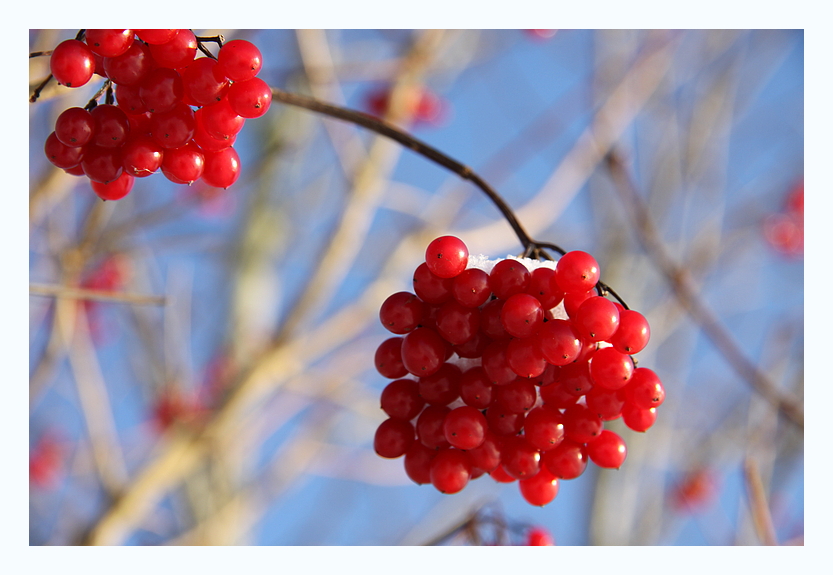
x,y
515,366
164,107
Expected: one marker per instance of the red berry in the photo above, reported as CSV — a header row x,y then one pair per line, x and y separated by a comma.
x,y
423,351
645,390
508,277
490,321
183,165
559,342
576,272
465,427
605,403
633,333
72,63
541,287
141,156
544,428
441,387
450,470
538,536
637,418
519,458
400,399
173,129
203,82
580,424
222,167
522,315
575,378
608,450
567,460
402,312
111,126
161,90
116,189
128,99
499,474
486,456
471,287
539,489
518,396
388,359
109,43
503,422
596,319
447,256
525,358
74,127
393,438
496,365
429,426
475,388
250,98
239,60
418,463
156,36
610,369
61,155
131,67
431,288
457,323
102,164
177,52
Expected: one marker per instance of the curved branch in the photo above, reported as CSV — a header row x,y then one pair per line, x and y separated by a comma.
x,y
412,143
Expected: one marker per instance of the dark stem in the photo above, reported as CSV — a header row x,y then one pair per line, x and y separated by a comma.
x,y
532,248
41,53
216,39
412,143
36,93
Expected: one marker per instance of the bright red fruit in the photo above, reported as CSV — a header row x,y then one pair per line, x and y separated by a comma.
x,y
450,470
447,256
394,438
539,536
608,450
116,189
576,272
539,489
239,60
72,63
465,427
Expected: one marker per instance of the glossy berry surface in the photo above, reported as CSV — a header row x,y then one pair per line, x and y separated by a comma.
x,y
72,63
446,257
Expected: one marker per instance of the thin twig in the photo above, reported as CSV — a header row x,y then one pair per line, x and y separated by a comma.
x,y
685,290
60,291
761,517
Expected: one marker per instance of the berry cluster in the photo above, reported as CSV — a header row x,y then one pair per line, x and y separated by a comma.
x,y
165,108
515,366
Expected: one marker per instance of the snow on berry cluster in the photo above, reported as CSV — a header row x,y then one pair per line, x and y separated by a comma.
x,y
165,108
509,368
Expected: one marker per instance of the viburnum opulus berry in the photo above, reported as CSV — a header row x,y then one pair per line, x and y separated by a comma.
x,y
166,108
509,368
